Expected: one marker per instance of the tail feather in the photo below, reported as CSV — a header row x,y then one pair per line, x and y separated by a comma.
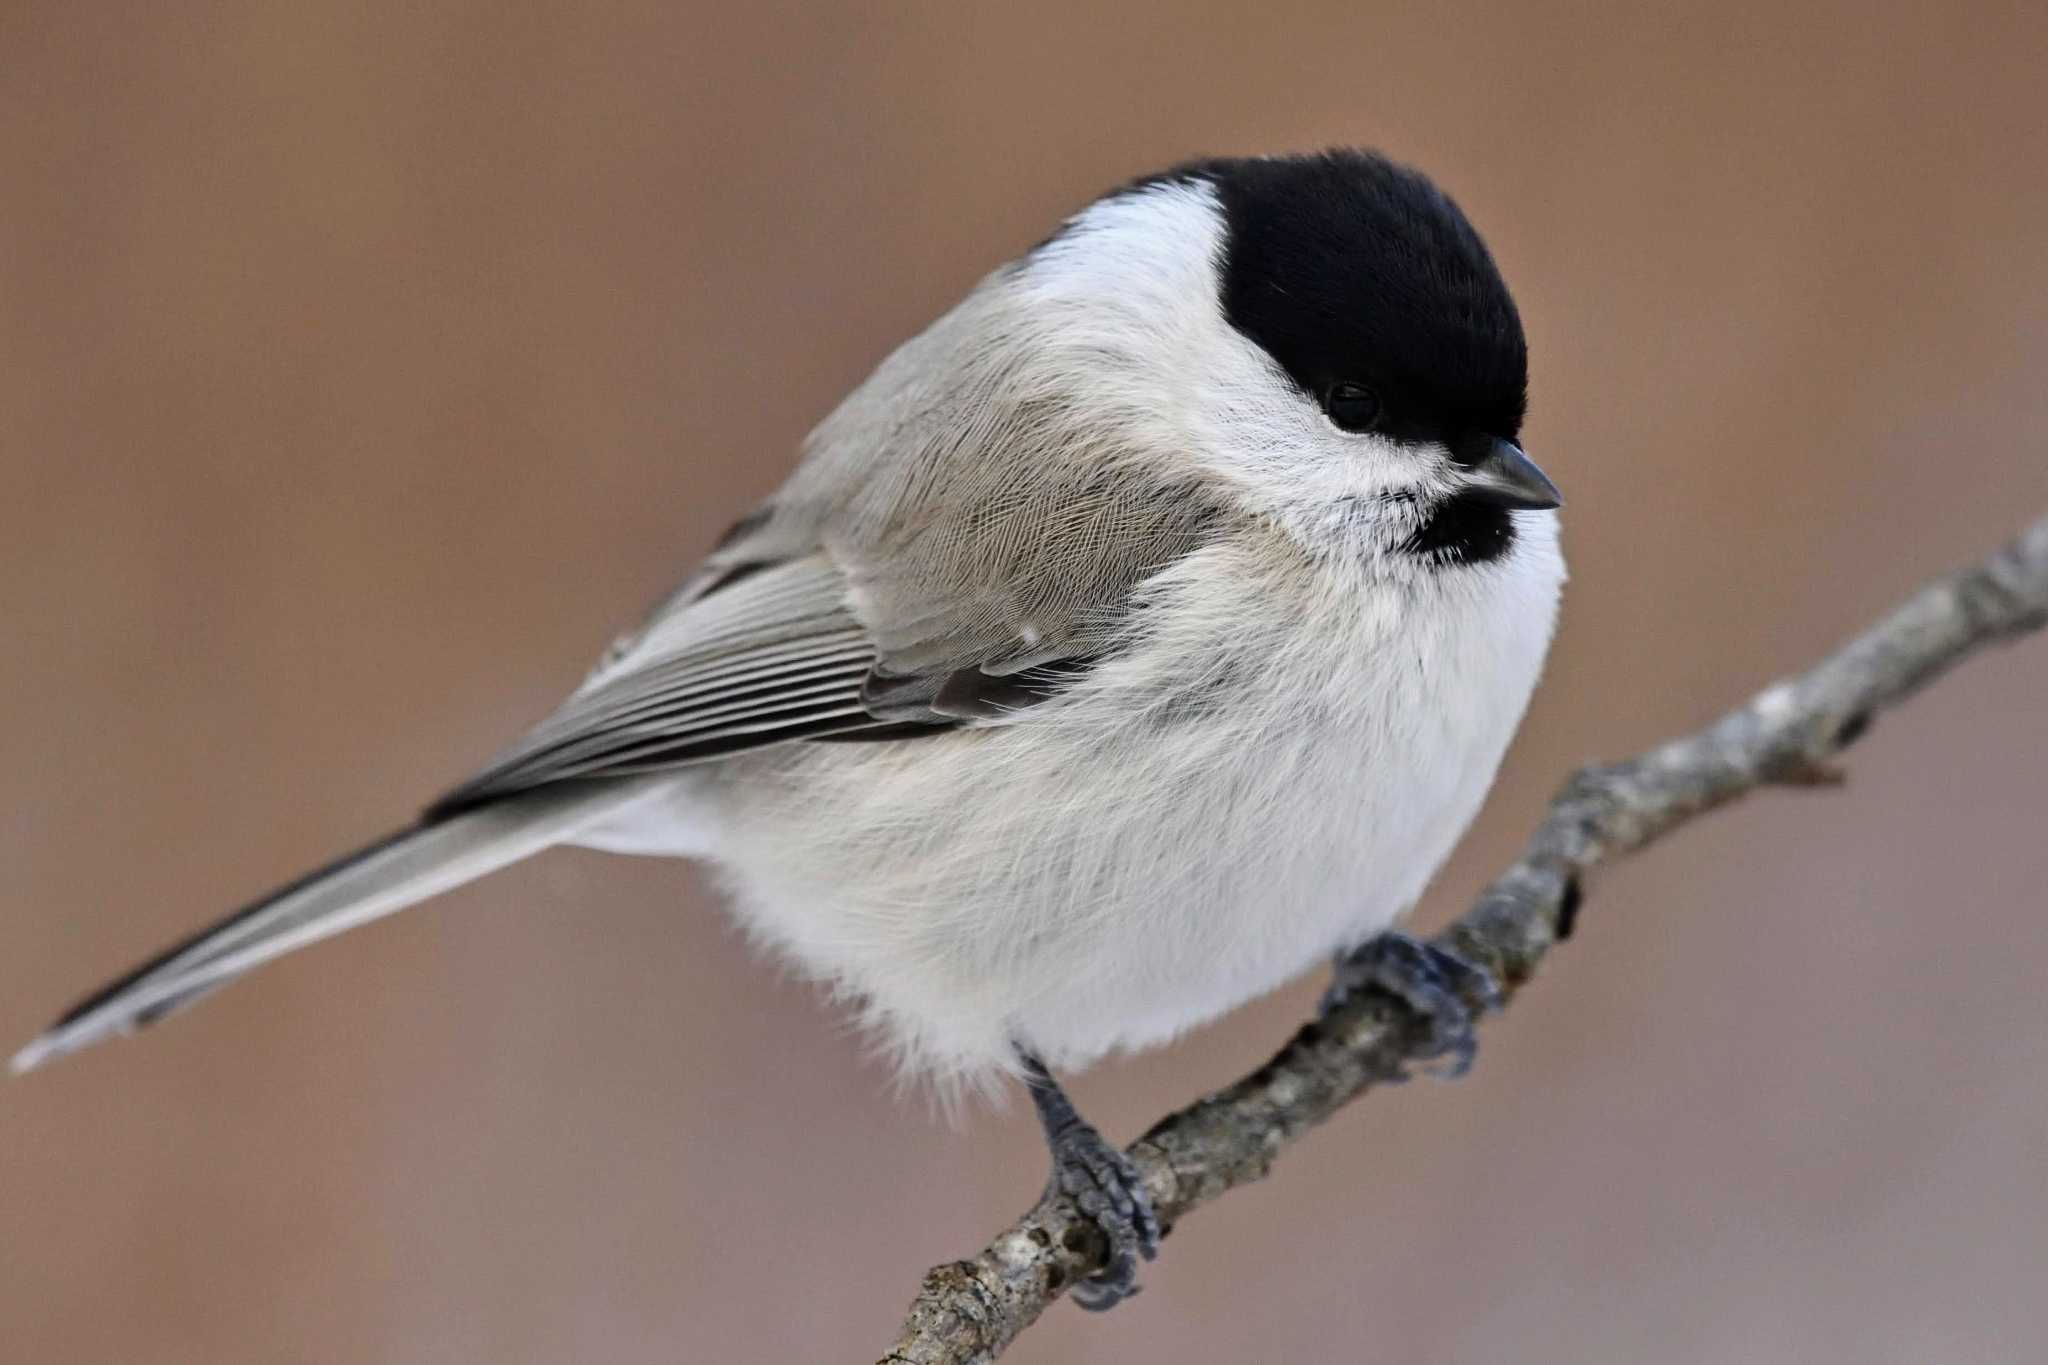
x,y
409,867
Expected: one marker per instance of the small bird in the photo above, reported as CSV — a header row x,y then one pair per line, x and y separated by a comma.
x,y
1140,634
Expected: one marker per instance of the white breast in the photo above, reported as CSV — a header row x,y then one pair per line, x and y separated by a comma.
x,y
1274,775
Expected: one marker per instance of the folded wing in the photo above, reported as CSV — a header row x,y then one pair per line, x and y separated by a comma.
x,y
769,656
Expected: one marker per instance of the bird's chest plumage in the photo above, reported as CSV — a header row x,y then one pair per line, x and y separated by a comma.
x,y
1273,772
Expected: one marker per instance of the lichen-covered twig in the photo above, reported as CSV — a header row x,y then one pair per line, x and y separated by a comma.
x,y
969,1311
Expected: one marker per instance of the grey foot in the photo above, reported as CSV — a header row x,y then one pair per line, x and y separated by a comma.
x,y
1439,985
1104,1185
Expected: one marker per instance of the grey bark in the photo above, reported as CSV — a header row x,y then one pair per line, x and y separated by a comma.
x,y
969,1311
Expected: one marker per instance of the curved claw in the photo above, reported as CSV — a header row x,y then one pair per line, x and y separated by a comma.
x,y
1431,981
1106,1187
1103,1185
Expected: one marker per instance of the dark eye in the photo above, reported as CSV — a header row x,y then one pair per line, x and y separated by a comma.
x,y
1353,407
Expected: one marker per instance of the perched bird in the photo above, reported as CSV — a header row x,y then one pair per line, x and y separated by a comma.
x,y
1143,632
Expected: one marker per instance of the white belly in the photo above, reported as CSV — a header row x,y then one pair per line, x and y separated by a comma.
x,y
1195,823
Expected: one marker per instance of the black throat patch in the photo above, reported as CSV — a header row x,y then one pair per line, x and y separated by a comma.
x,y
1463,530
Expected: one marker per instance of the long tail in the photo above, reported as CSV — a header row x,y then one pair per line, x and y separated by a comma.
x,y
388,876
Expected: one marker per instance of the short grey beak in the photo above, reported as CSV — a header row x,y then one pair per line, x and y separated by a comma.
x,y
1505,477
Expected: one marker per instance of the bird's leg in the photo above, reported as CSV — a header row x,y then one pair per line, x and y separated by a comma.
x,y
1444,988
1103,1184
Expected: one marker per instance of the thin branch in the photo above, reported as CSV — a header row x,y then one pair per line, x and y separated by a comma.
x,y
969,1311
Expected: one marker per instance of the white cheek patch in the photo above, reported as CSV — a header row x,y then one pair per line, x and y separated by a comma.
x,y
1126,313
1264,434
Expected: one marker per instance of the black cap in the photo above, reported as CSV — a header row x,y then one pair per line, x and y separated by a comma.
x,y
1348,268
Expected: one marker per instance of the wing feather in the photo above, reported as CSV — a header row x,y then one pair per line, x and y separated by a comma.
x,y
773,656
912,575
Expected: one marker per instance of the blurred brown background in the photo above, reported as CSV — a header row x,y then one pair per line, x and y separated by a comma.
x,y
362,367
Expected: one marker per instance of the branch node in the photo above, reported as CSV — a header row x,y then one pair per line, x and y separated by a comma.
x,y
1568,909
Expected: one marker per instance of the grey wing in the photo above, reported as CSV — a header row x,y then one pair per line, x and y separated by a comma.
x,y
936,622
1042,580
764,656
